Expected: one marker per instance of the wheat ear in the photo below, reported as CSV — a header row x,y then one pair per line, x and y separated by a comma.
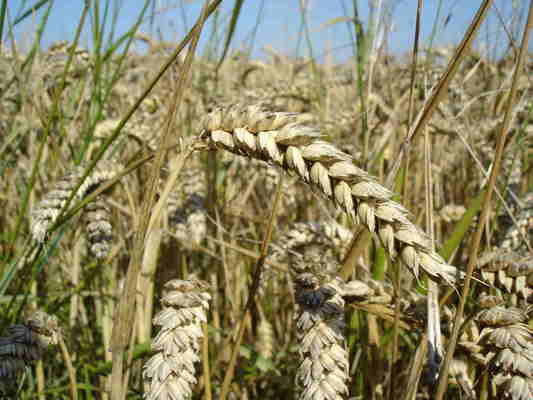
x,y
24,344
323,370
507,341
45,214
171,370
98,227
283,139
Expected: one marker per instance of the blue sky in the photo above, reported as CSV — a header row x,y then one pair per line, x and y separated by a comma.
x,y
280,23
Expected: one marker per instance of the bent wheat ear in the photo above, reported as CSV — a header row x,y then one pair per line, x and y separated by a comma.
x,y
171,370
44,215
46,212
282,139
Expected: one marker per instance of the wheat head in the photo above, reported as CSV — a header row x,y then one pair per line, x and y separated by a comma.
x,y
171,370
282,139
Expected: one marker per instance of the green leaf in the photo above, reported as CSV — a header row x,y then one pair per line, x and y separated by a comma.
x,y
264,364
245,351
462,227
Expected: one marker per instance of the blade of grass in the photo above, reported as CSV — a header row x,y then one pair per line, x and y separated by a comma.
x,y
361,47
231,29
443,380
462,227
32,10
35,46
3,12
101,99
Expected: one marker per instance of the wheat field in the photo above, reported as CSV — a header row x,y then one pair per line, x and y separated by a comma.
x,y
175,227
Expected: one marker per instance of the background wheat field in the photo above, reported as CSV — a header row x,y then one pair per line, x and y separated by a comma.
x,y
194,218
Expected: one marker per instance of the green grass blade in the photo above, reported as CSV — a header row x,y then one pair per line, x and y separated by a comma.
x,y
3,12
231,29
462,227
30,11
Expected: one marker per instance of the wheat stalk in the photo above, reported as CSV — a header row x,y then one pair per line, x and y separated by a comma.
x,y
282,139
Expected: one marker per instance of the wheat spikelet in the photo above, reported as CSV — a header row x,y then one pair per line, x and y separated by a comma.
x,y
171,370
323,371
48,209
98,227
24,344
370,291
281,138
